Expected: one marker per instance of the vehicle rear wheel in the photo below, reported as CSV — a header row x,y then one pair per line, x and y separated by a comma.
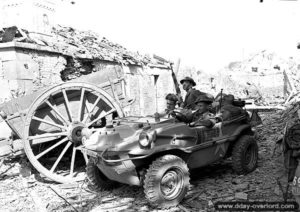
x,y
245,155
166,181
97,179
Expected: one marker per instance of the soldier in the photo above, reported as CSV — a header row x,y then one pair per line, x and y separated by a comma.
x,y
228,110
200,117
191,93
171,101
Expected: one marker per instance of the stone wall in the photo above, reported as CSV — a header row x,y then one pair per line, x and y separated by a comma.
x,y
24,71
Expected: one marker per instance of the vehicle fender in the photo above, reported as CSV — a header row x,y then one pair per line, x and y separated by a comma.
x,y
240,130
158,149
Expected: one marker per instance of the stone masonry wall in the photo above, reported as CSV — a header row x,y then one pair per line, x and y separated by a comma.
x,y
23,72
149,96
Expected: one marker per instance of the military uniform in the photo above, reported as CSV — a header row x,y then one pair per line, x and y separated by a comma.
x,y
190,98
201,119
192,95
228,110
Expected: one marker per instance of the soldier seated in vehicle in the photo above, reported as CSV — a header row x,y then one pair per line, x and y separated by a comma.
x,y
229,110
191,93
200,117
171,101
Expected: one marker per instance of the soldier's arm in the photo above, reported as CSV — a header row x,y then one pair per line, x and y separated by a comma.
x,y
207,121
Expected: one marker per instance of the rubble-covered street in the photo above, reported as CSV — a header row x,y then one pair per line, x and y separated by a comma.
x,y
209,185
176,106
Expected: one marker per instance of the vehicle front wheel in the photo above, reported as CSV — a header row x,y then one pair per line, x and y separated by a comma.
x,y
166,181
245,155
97,179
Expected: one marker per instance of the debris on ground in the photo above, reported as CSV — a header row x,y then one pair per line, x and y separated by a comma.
x,y
208,185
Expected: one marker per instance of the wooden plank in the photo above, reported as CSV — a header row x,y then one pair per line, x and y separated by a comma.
x,y
289,82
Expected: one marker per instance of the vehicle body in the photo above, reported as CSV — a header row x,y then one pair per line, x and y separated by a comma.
x,y
158,154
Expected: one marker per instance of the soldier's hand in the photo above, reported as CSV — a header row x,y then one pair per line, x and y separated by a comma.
x,y
192,124
215,104
172,113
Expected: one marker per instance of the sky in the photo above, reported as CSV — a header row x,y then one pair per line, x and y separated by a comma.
x,y
207,34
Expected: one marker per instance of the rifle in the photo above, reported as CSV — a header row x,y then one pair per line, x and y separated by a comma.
x,y
178,92
221,100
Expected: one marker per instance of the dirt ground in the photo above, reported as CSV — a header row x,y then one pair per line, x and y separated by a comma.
x,y
208,185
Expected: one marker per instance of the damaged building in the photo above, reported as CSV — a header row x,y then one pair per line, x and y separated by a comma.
x,y
31,59
265,77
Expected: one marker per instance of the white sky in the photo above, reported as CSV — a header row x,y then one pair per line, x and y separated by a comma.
x,y
206,34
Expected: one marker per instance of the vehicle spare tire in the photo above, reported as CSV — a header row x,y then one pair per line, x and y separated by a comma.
x,y
166,181
245,155
97,179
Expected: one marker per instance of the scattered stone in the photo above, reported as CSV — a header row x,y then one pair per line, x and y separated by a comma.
x,y
236,181
144,208
241,187
68,186
241,195
277,191
229,198
210,204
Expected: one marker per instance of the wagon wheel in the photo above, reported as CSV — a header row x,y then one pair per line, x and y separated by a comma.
x,y
52,131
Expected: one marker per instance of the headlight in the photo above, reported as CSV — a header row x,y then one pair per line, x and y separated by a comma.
x,y
145,141
146,138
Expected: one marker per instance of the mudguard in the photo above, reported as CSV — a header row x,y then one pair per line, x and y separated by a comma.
x,y
157,149
239,131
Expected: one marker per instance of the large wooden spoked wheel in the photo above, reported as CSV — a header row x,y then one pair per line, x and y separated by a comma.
x,y
52,131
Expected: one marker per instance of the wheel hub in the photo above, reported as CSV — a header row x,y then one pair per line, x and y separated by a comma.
x,y
74,133
171,184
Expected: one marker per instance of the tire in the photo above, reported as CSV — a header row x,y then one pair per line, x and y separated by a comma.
x,y
163,168
97,179
245,155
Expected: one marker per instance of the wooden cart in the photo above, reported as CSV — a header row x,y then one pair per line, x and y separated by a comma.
x,y
48,123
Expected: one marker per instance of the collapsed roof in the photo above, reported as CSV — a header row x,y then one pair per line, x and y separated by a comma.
x,y
83,45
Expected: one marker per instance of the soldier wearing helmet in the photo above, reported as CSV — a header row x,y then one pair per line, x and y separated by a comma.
x,y
202,116
191,93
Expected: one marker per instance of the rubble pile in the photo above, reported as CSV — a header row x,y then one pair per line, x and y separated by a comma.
x,y
89,45
291,114
274,123
85,45
264,76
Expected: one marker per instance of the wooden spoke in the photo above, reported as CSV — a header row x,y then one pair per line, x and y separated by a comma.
x,y
60,156
91,109
73,161
88,114
67,104
57,112
85,157
48,122
81,104
42,140
52,147
102,114
47,135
